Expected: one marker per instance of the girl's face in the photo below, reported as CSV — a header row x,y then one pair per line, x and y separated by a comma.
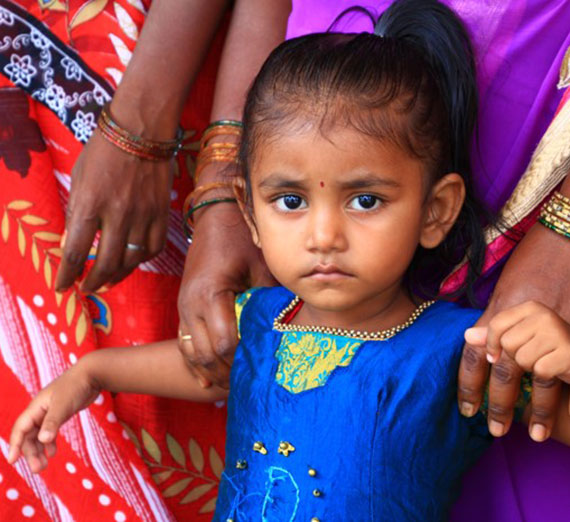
x,y
339,217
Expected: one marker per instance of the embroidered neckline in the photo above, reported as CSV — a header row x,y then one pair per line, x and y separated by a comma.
x,y
379,335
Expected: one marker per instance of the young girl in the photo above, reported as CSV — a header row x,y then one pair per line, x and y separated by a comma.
x,y
342,402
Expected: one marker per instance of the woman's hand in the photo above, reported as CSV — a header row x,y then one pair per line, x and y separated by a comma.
x,y
221,262
128,198
538,270
34,432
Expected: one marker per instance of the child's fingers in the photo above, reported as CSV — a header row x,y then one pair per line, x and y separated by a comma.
x,y
51,449
32,451
25,425
476,335
507,319
58,412
527,355
544,407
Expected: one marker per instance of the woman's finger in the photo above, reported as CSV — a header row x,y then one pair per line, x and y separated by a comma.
x,y
109,258
473,371
220,320
80,231
504,387
135,252
545,401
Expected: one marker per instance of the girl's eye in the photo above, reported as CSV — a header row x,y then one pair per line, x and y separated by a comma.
x,y
365,202
290,202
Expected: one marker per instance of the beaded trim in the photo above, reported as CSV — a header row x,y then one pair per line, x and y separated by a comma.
x,y
380,335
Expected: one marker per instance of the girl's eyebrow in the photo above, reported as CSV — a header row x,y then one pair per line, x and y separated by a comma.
x,y
367,181
278,181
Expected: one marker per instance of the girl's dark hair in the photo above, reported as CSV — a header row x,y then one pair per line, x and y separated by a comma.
x,y
412,83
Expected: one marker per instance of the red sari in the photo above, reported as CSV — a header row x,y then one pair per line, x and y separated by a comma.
x,y
126,457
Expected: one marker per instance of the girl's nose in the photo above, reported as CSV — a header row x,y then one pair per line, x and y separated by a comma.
x,y
326,231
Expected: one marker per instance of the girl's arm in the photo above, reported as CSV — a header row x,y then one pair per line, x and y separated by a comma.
x,y
537,339
155,369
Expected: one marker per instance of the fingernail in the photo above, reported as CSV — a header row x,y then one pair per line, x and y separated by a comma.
x,y
491,358
538,432
496,428
45,436
467,409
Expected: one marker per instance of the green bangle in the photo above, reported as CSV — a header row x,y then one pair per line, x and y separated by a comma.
x,y
553,228
188,224
219,123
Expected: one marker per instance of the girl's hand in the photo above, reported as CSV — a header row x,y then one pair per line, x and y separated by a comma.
x,y
34,432
537,270
533,335
537,340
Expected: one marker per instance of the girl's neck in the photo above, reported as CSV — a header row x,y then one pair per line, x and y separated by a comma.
x,y
392,307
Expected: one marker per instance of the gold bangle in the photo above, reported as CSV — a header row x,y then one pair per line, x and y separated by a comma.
x,y
222,130
562,197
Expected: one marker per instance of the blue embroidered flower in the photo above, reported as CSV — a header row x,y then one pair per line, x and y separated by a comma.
x,y
20,70
72,70
83,125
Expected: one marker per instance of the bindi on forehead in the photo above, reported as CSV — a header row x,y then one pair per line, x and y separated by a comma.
x,y
322,184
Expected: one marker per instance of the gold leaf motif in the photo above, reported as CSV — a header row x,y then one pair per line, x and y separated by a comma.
x,y
151,446
209,506
216,462
58,5
21,240
5,226
88,11
564,80
19,204
175,450
80,329
58,298
70,308
47,272
137,4
131,435
35,256
196,493
196,455
47,236
159,478
57,252
176,488
30,219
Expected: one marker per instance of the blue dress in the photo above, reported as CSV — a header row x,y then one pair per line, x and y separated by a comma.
x,y
330,428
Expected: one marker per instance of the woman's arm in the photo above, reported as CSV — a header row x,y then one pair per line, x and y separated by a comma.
x,y
155,369
223,260
127,197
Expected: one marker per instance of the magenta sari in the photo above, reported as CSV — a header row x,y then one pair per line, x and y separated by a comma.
x,y
520,46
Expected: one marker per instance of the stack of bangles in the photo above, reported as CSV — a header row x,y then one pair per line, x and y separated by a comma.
x,y
137,145
217,152
555,214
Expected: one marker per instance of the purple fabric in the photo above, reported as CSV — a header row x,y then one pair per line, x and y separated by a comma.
x,y
519,47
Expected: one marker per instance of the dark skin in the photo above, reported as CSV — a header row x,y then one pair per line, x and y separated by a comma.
x,y
175,37
537,270
222,260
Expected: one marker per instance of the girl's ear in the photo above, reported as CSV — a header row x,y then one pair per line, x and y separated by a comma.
x,y
246,208
443,206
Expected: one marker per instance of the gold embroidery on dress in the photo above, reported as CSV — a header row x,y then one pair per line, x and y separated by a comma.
x,y
306,360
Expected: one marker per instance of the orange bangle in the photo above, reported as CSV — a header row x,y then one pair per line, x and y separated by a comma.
x,y
201,190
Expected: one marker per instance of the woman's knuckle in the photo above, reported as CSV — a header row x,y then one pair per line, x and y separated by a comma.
x,y
473,359
498,410
503,372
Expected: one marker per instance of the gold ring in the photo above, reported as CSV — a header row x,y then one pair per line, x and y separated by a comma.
x,y
184,337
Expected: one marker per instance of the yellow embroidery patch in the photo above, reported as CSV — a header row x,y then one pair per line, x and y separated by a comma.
x,y
306,360
240,302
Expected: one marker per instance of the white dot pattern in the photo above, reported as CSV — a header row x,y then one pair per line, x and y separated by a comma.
x,y
28,511
51,318
87,484
70,467
104,500
38,301
12,494
72,358
120,516
111,417
62,338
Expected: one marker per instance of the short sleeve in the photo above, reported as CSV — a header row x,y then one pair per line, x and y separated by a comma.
x,y
522,401
240,302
